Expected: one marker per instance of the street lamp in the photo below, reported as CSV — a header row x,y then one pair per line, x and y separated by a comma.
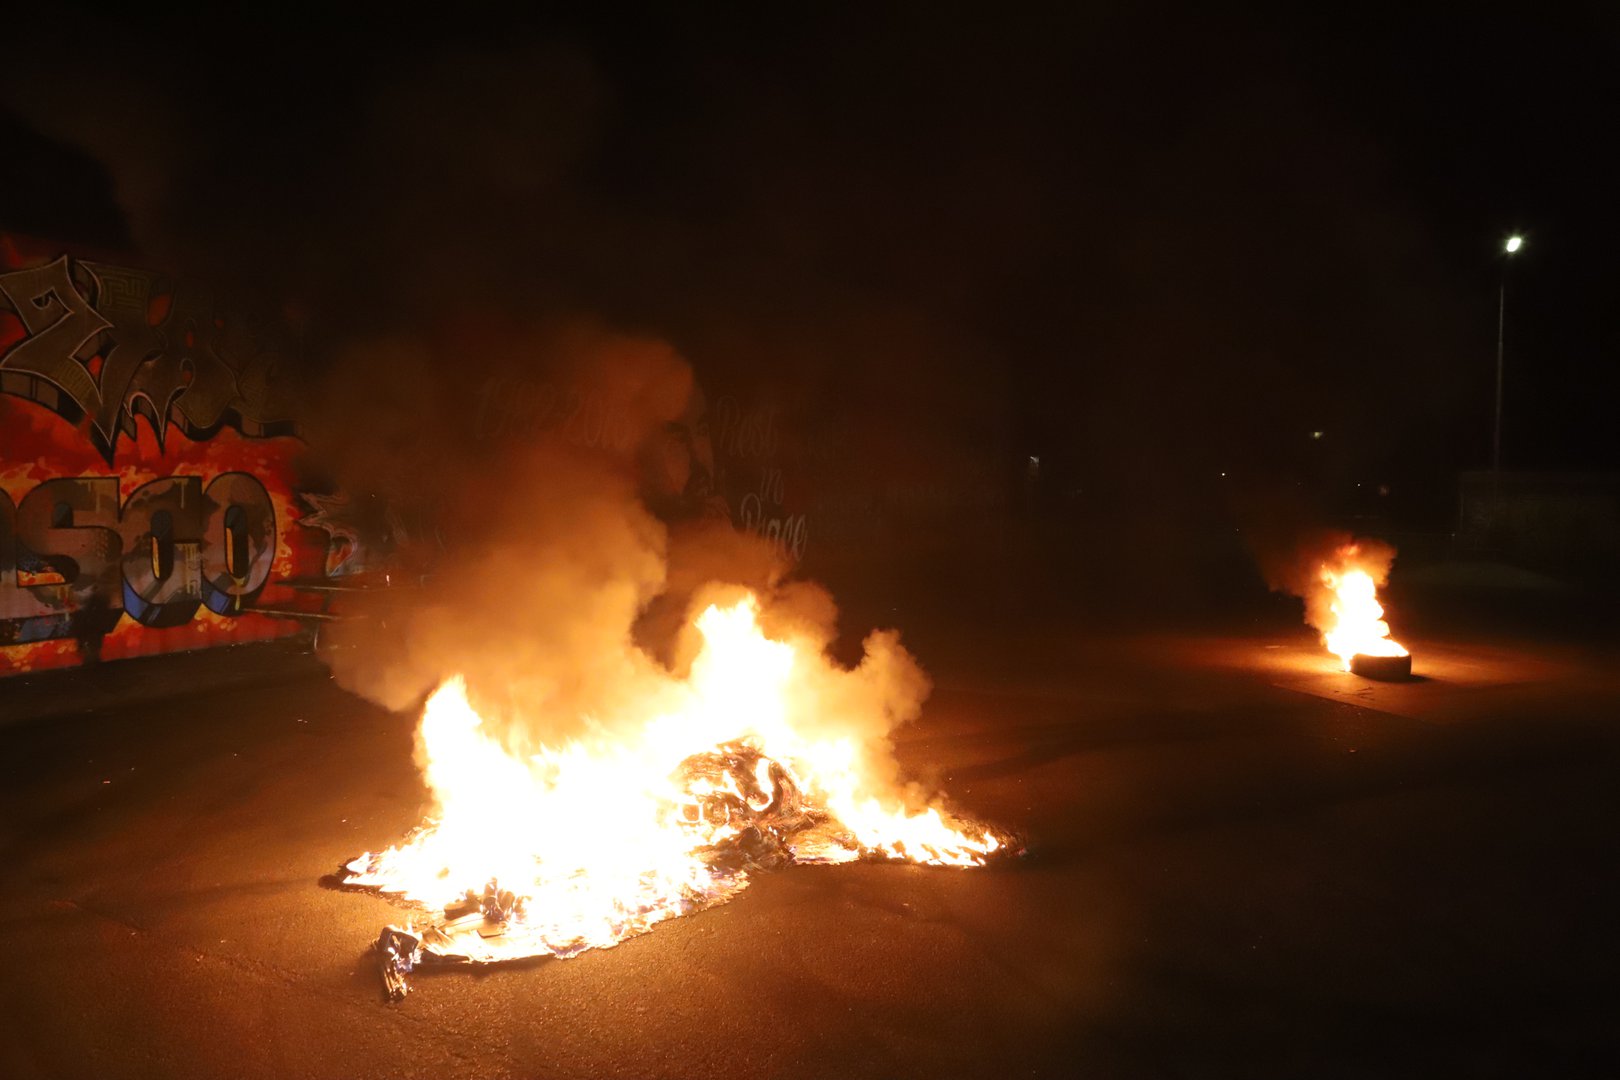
x,y
1514,243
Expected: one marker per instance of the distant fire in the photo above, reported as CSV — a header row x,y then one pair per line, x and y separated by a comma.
x,y
1355,623
585,844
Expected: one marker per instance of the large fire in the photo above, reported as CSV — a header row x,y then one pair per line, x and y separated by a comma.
x,y
585,844
1356,623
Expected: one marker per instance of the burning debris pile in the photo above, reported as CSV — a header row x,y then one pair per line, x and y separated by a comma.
x,y
581,846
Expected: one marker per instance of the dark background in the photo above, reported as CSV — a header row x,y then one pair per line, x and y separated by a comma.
x,y
1156,249
1148,247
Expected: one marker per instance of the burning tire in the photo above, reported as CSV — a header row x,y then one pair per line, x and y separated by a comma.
x,y
1383,668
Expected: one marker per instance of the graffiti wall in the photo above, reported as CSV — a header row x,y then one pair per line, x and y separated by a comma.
x,y
150,500
147,451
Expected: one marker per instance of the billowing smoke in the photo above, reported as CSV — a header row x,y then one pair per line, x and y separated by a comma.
x,y
1295,565
450,231
540,554
553,589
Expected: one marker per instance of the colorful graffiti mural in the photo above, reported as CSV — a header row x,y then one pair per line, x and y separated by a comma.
x,y
147,456
150,501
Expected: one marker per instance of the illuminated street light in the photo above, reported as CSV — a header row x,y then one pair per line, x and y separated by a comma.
x,y
1514,243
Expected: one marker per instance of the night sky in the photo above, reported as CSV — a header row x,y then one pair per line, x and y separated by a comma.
x,y
1148,246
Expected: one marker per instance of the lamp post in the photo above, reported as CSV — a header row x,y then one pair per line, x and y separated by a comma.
x,y
1514,243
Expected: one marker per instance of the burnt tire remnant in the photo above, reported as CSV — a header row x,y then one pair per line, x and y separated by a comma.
x,y
1383,668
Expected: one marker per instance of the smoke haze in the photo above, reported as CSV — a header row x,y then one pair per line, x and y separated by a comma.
x,y
1156,254
1294,563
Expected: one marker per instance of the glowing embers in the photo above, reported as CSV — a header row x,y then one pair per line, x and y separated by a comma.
x,y
751,763
1355,630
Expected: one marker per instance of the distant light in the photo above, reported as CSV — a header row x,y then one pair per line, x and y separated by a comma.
x,y
1514,243
1316,434
1223,474
1035,461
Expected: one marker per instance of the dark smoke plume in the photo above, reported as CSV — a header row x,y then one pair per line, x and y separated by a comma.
x,y
438,225
1293,564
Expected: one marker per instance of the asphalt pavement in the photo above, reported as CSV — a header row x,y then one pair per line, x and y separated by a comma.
x,y
1241,863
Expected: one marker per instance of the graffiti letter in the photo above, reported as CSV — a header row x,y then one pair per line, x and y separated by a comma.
x,y
163,526
69,526
239,541
24,614
59,321
123,297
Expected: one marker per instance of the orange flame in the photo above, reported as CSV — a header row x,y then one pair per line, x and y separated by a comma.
x,y
601,838
1356,622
